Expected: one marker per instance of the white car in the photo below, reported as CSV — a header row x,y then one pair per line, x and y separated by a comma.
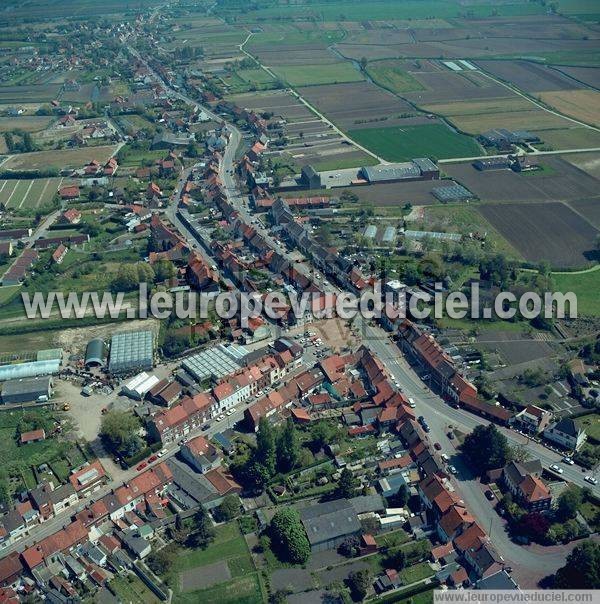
x,y
220,418
411,402
452,470
231,412
161,452
568,461
591,480
556,469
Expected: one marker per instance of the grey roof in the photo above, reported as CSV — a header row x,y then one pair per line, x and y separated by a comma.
x,y
390,484
425,164
370,231
131,350
385,172
388,234
367,503
215,362
94,352
453,192
499,580
329,520
567,426
35,386
61,493
190,484
432,235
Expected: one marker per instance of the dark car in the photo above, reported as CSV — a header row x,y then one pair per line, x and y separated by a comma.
x,y
420,419
490,495
426,428
205,427
437,446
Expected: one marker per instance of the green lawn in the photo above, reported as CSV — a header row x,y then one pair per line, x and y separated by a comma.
x,y
591,423
258,77
415,573
310,75
241,590
130,589
392,538
404,143
390,75
228,544
585,286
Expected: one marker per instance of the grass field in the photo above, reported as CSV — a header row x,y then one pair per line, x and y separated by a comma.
x,y
390,75
28,123
431,140
18,194
59,159
585,286
569,138
256,77
591,424
241,590
415,573
130,589
582,105
308,75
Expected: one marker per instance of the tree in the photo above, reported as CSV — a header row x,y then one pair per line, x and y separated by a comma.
x,y
204,532
5,497
402,496
582,570
228,509
359,582
265,446
322,433
363,63
160,562
288,537
127,278
119,430
349,546
256,475
163,270
568,503
397,560
486,448
347,484
535,526
287,447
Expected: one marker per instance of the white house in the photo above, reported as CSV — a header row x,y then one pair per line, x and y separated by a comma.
x,y
566,434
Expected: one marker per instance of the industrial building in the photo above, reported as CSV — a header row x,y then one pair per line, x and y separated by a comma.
x,y
417,169
29,369
440,236
492,163
503,139
215,362
27,390
451,193
139,386
328,524
94,353
310,178
131,351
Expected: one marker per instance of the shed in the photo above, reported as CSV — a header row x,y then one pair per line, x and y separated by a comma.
x,y
94,353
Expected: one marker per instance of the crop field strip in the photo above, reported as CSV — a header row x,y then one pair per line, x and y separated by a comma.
x,y
28,193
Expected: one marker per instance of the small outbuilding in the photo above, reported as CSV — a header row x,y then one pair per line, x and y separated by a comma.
x,y
95,353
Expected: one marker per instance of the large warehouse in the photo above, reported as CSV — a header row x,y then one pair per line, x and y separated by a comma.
x,y
27,390
421,168
131,351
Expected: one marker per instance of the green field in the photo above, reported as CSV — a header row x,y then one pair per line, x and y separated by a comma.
x,y
130,589
591,424
241,590
23,194
585,286
386,10
309,75
390,75
402,144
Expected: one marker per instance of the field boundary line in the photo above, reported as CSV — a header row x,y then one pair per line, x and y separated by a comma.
x,y
307,104
12,193
26,194
37,205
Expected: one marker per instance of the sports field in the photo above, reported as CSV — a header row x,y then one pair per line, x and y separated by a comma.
x,y
431,140
26,193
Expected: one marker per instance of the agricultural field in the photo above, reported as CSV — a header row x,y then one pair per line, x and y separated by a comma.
x,y
577,137
583,105
548,231
307,75
404,143
29,194
391,75
585,75
59,159
585,285
557,180
588,162
29,123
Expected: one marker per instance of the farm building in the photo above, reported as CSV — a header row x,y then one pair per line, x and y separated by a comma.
x,y
492,163
27,390
370,231
29,369
504,139
94,353
215,362
453,192
417,169
432,235
138,386
131,351
328,524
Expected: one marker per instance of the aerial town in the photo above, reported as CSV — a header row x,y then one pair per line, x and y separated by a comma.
x,y
398,152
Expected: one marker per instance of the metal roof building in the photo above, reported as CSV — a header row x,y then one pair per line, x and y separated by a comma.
x,y
94,353
131,351
328,524
215,362
399,171
27,390
453,192
31,369
140,385
432,235
370,231
52,354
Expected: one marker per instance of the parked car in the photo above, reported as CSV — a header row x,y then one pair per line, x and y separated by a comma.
x,y
568,461
490,495
452,470
411,402
142,466
591,480
556,469
205,427
437,446
161,452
